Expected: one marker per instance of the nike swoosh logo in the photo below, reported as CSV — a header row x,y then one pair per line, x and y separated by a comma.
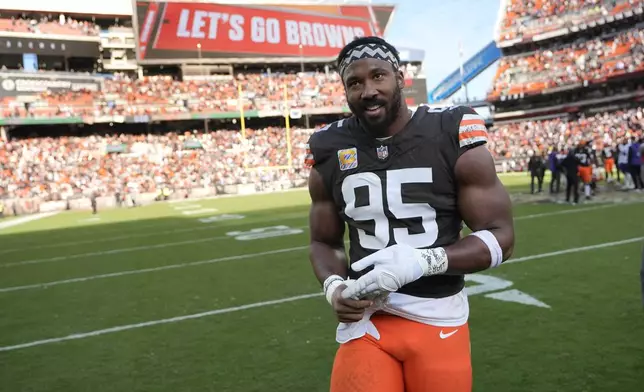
x,y
447,335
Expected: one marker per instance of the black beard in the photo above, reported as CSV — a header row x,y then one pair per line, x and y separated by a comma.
x,y
392,112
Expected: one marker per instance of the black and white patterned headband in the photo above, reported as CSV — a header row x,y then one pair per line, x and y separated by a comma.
x,y
368,51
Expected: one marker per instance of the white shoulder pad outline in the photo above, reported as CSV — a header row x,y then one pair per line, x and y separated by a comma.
x,y
328,126
438,110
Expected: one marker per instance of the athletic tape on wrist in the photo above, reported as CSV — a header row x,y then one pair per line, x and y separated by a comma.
x,y
330,285
489,239
436,259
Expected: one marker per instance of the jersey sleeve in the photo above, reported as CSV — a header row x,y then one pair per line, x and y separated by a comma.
x,y
467,128
317,151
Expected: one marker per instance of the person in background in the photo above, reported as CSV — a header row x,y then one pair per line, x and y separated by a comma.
x,y
1,209
555,158
570,166
635,163
608,156
622,163
537,168
585,161
642,159
93,200
642,276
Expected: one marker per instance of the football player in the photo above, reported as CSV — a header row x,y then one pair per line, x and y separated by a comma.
x,y
585,170
608,155
403,182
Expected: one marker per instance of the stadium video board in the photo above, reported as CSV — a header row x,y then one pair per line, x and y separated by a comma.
x,y
174,31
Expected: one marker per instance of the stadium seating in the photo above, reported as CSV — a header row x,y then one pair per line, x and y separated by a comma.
x,y
525,19
516,142
588,61
62,26
58,168
163,95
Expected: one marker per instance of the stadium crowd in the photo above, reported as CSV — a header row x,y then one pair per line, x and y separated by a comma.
x,y
587,61
126,96
151,95
62,25
59,168
516,142
526,18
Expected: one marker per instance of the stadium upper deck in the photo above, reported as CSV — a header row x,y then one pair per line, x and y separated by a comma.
x,y
568,56
535,20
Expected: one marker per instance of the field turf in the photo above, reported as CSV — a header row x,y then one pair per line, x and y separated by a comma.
x,y
154,299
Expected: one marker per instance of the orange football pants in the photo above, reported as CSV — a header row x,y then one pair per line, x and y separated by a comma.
x,y
609,164
586,174
409,357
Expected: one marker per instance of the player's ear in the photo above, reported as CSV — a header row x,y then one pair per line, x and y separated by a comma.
x,y
400,79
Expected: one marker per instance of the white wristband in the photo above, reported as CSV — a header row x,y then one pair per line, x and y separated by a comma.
x,y
489,239
433,261
330,285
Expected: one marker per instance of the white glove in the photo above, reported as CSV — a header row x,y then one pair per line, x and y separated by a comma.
x,y
395,267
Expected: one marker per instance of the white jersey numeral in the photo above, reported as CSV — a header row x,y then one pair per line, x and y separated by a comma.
x,y
375,210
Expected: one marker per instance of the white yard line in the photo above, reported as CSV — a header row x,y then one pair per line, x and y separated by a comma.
x,y
154,269
194,229
113,251
25,219
272,252
121,250
157,322
573,210
265,303
575,250
141,235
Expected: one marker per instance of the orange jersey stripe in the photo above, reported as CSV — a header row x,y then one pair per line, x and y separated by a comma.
x,y
472,122
472,134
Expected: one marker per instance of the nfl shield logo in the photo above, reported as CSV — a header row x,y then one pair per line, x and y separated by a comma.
x,y
383,152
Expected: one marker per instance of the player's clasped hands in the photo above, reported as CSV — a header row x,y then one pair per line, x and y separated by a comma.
x,y
348,310
394,267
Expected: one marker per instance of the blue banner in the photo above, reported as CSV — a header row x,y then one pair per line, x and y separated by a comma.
x,y
471,69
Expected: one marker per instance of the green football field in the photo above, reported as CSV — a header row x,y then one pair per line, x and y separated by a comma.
x,y
218,295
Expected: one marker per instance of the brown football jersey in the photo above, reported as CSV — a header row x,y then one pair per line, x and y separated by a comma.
x,y
401,189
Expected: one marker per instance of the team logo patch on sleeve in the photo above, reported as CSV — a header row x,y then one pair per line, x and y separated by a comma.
x,y
309,160
348,158
471,130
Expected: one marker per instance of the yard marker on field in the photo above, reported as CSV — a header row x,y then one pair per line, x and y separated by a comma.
x,y
187,207
278,251
193,229
273,302
116,251
199,212
138,234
